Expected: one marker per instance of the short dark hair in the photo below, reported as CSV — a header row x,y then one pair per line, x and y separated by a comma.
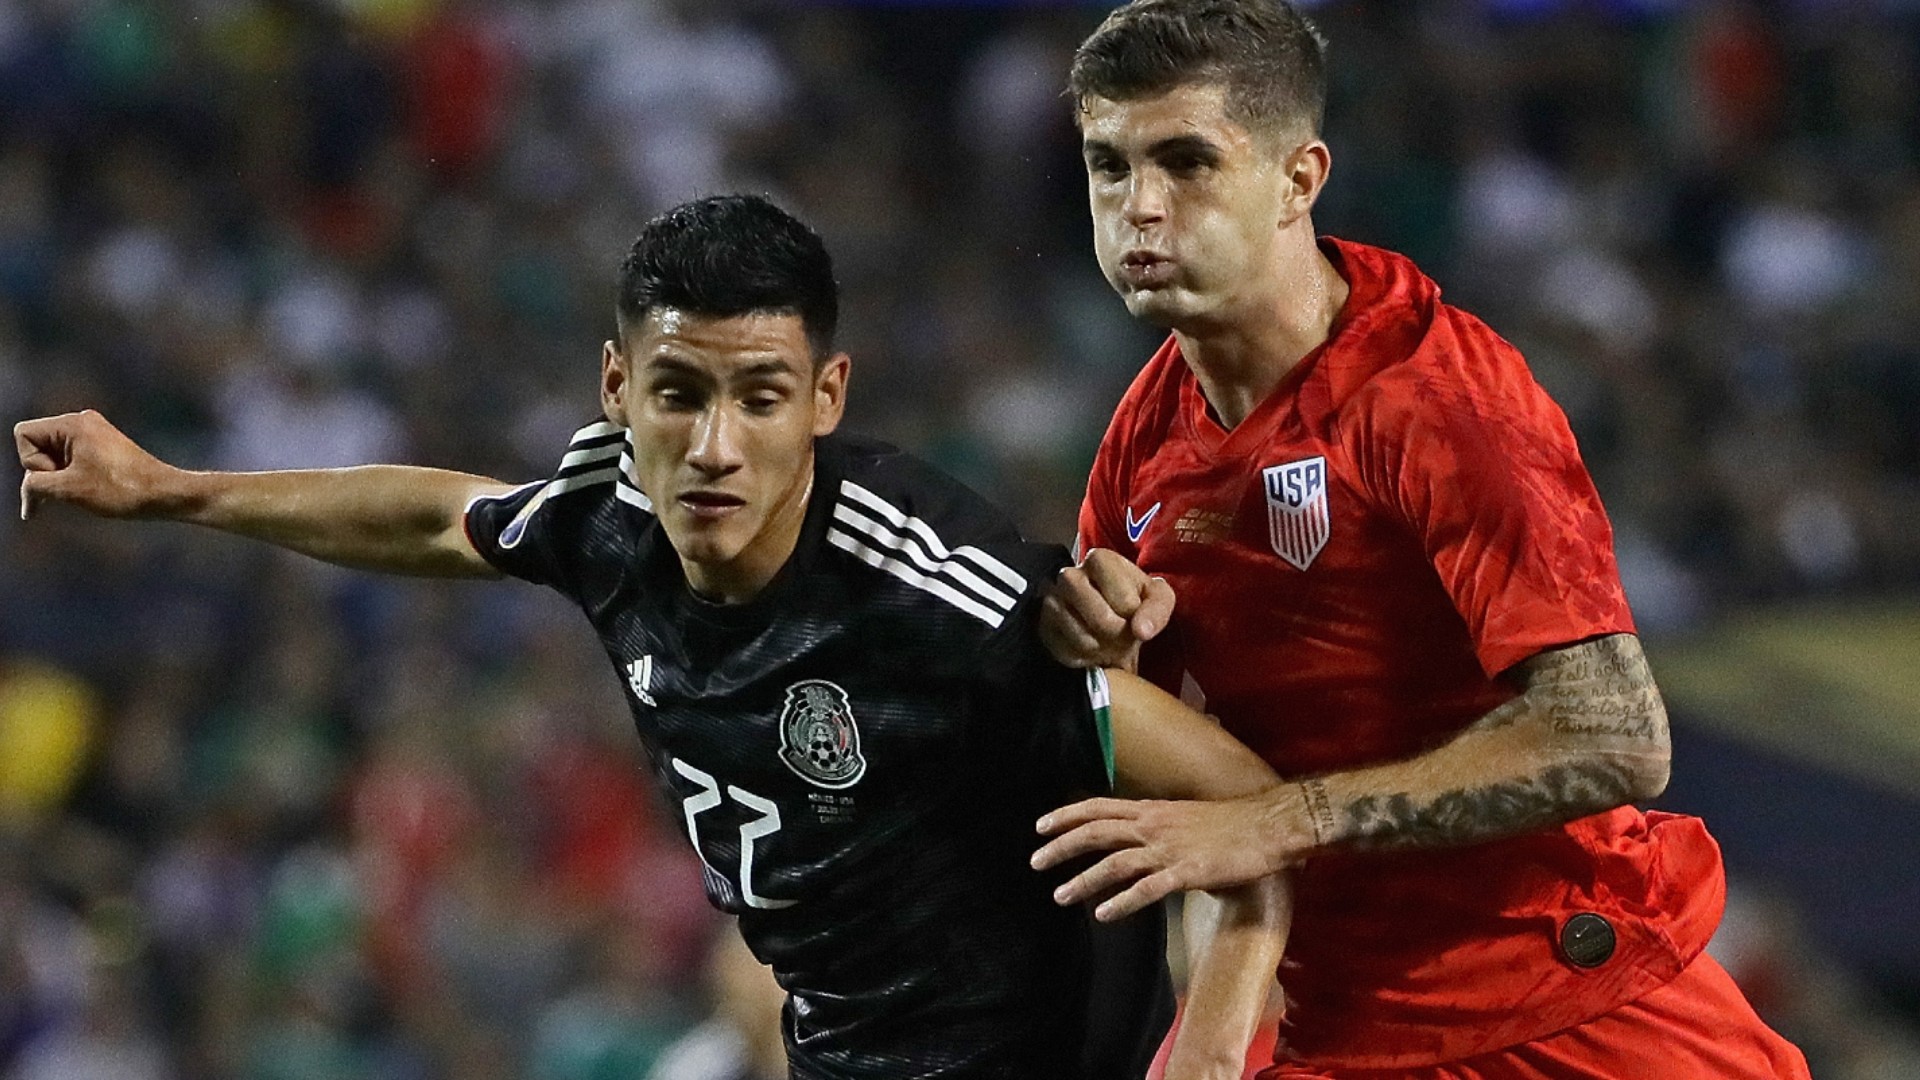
x,y
1270,58
729,255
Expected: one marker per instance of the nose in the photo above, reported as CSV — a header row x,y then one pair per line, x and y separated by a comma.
x,y
715,448
1146,199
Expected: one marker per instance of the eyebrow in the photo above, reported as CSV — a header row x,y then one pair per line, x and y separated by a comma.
x,y
766,367
1183,144
762,369
1175,144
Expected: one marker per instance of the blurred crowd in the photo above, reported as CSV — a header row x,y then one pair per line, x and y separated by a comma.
x,y
264,820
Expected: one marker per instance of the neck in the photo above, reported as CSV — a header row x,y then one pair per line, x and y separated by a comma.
x,y
747,574
1241,357
767,1051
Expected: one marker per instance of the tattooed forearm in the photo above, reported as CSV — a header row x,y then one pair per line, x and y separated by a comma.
x,y
1587,733
1472,815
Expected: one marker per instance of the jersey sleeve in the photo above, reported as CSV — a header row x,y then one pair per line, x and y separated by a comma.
x,y
1101,523
1482,465
531,532
497,526
1055,718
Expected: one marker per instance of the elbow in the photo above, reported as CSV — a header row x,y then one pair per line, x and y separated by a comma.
x,y
1650,776
1599,782
1618,779
1654,765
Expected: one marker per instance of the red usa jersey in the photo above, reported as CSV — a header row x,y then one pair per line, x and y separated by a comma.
x,y
1402,520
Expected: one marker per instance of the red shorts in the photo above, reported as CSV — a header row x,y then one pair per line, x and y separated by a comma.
x,y
1697,1026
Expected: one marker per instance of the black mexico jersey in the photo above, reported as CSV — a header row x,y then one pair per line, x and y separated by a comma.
x,y
858,756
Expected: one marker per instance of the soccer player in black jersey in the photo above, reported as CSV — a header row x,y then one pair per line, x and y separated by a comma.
x,y
830,651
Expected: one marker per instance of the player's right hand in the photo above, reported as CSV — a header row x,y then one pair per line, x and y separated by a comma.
x,y
82,459
1099,612
1150,849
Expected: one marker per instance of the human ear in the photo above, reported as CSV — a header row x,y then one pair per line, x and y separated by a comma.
x,y
613,383
830,393
1307,168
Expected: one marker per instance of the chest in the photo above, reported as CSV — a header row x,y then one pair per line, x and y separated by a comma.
x,y
1310,617
807,711
1291,524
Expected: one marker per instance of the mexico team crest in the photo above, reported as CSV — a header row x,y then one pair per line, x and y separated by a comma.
x,y
818,739
1297,517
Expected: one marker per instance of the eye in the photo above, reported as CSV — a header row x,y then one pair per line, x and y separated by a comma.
x,y
1106,167
763,403
1187,165
675,398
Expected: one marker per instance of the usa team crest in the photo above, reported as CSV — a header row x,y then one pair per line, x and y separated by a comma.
x,y
818,739
1297,518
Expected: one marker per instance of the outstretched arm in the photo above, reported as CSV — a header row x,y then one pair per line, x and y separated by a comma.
x,y
1588,732
393,518
1164,750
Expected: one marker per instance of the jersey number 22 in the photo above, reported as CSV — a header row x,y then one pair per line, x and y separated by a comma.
x,y
766,824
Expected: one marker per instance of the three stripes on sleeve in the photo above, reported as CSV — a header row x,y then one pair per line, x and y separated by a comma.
x,y
881,535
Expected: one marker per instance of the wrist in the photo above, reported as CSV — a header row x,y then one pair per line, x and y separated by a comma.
x,y
183,495
1297,819
1321,822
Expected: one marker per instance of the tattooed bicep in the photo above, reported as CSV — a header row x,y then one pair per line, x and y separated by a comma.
x,y
1598,691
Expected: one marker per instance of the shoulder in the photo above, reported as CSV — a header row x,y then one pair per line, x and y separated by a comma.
x,y
589,511
594,475
1460,422
934,540
1406,358
1458,361
599,459
887,481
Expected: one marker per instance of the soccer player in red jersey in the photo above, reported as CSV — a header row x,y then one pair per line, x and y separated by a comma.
x,y
1397,584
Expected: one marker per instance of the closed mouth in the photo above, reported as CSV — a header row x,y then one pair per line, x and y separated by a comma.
x,y
710,502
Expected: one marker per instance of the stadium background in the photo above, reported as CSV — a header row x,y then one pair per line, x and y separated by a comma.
x,y
266,820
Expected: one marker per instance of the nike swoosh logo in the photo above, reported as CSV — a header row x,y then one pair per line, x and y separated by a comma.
x,y
1136,528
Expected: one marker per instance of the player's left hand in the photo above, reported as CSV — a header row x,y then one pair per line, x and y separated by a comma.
x,y
1157,848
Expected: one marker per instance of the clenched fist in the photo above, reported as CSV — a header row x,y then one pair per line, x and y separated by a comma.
x,y
82,459
1098,613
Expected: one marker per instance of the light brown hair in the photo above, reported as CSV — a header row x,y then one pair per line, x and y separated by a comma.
x,y
1268,56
